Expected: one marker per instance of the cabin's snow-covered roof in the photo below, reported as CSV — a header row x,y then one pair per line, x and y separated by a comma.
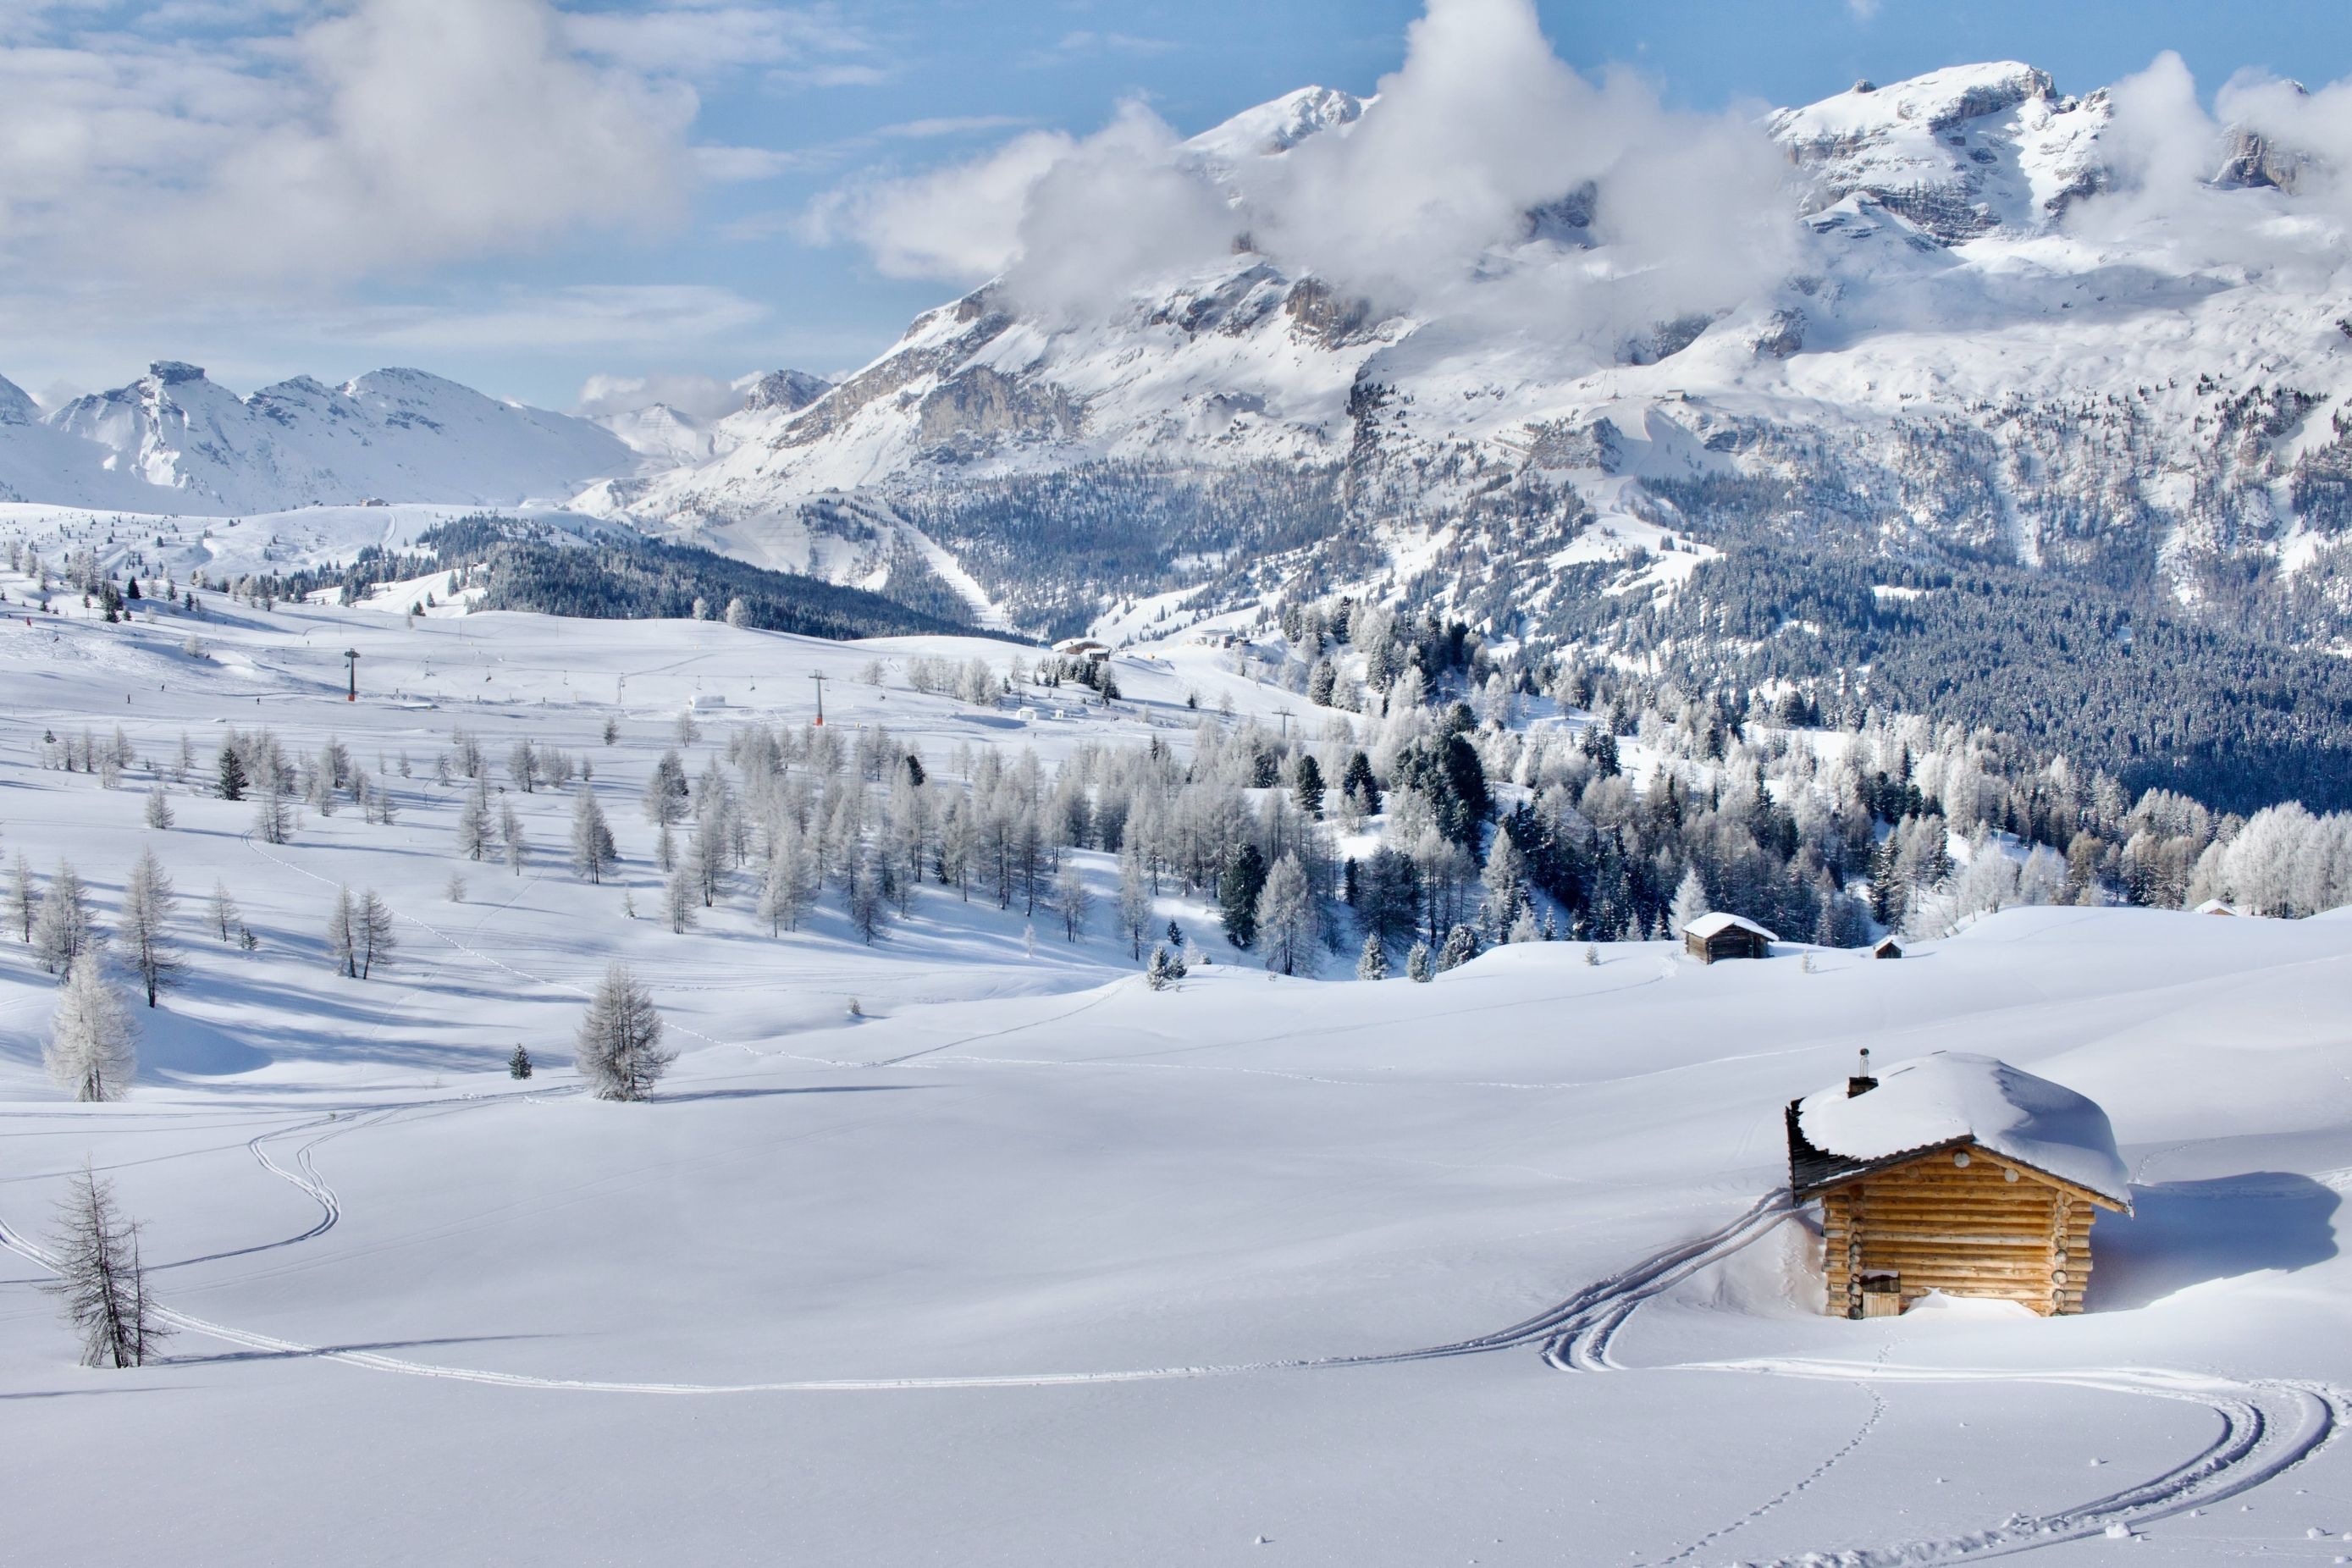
x,y
1952,1096
2214,907
1715,925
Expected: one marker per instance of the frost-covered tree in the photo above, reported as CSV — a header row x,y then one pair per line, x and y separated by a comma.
x,y
1690,900
100,1286
93,1044
514,845
1072,899
23,898
1417,965
1372,964
1134,897
739,614
272,822
159,809
865,902
371,932
221,911
789,886
66,926
1460,947
592,849
522,766
145,933
619,1052
474,822
680,898
667,791
1286,923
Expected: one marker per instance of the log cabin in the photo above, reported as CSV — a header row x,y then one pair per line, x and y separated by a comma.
x,y
1957,1173
1887,947
1718,936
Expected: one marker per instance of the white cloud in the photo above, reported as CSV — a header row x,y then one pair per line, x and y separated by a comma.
x,y
951,125
628,315
1863,10
695,39
1422,207
390,136
743,165
961,224
702,397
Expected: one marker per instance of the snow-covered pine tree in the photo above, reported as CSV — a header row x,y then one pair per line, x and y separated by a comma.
x,y
1417,965
66,926
518,1065
1160,972
620,1053
147,903
93,1045
1690,901
1286,923
1372,964
1460,947
100,1285
373,932
592,849
159,809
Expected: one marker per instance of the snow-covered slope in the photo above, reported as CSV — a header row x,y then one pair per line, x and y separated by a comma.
x,y
2062,390
175,441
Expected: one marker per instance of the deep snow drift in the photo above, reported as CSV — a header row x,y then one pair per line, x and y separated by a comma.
x,y
1034,1265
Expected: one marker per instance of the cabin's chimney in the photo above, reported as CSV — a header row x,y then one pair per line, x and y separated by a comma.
x,y
1861,1082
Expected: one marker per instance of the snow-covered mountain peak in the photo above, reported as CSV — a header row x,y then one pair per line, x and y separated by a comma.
x,y
1961,152
1277,126
17,406
788,390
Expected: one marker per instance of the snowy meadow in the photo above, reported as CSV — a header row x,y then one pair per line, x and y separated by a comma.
x,y
950,1235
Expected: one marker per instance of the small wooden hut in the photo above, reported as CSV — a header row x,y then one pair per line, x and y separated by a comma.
x,y
1712,937
1887,947
1957,1173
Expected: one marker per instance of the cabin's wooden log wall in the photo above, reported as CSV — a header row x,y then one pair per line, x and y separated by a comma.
x,y
1966,1230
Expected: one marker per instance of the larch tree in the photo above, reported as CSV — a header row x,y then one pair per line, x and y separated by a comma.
x,y
23,898
514,845
371,932
93,1045
1134,897
66,926
619,1052
592,849
100,1286
474,823
679,899
148,900
159,809
1072,899
343,934
221,914
271,821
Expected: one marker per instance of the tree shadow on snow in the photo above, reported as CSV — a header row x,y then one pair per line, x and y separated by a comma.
x,y
694,1094
225,1358
2187,1233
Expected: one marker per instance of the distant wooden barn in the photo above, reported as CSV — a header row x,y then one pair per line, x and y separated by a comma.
x,y
1712,937
1957,1173
1887,947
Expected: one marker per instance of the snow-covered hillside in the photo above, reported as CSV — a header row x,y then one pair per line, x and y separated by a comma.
x,y
1981,339
175,442
1025,1261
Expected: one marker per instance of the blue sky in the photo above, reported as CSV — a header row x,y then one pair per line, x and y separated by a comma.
x,y
524,196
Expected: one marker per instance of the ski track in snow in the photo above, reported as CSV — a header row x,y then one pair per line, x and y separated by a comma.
x,y
2268,1427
